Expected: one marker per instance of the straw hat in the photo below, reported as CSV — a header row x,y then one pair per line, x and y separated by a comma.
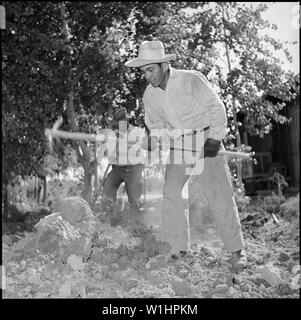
x,y
150,52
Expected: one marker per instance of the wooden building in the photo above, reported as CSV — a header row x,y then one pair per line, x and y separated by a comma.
x,y
278,151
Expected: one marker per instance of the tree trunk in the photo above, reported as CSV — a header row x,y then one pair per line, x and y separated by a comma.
x,y
5,202
35,193
237,134
44,190
39,190
81,148
95,174
87,189
82,151
42,176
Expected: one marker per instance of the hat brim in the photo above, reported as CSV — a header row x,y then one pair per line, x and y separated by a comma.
x,y
137,62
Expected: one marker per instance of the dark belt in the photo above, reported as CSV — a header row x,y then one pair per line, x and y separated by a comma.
x,y
192,133
195,131
200,130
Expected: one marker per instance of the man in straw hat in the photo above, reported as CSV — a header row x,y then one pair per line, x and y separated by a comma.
x,y
179,99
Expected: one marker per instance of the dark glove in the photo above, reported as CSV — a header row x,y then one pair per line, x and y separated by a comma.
x,y
211,147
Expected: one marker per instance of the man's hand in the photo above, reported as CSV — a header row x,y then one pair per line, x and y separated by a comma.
x,y
211,147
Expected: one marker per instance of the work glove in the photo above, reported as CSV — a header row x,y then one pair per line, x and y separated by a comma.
x,y
211,147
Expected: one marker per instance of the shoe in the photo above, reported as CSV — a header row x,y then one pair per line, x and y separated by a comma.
x,y
239,260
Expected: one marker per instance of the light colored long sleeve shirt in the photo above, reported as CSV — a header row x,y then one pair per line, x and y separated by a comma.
x,y
188,102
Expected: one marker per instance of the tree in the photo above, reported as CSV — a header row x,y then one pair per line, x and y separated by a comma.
x,y
68,58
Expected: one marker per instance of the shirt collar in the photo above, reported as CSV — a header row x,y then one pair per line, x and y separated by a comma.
x,y
173,73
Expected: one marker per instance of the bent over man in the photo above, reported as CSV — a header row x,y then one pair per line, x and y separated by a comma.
x,y
180,99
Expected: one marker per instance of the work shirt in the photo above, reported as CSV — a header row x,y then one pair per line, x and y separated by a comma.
x,y
188,102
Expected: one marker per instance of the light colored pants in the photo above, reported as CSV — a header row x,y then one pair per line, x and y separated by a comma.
x,y
217,187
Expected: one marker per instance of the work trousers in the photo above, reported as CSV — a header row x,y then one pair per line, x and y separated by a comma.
x,y
217,187
131,175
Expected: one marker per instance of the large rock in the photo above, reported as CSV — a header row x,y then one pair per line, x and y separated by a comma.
x,y
68,230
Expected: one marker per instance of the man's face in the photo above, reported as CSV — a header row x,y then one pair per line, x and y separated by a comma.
x,y
153,73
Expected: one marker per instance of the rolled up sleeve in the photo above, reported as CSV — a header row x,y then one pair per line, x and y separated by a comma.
x,y
211,105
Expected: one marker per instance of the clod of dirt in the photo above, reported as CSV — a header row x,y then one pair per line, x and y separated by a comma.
x,y
76,263
179,286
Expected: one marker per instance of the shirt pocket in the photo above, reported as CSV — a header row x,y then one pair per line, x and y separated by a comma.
x,y
186,106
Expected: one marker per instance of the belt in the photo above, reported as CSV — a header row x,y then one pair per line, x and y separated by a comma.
x,y
195,131
200,130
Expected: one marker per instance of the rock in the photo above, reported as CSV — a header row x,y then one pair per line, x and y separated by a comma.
x,y
206,251
296,269
244,288
179,286
296,281
76,263
115,266
152,263
256,295
81,290
183,273
290,266
33,277
65,290
168,291
172,269
130,284
259,280
271,275
232,292
210,262
206,291
221,289
283,256
233,279
67,231
284,289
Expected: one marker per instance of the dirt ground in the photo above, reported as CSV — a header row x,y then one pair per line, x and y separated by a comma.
x,y
125,266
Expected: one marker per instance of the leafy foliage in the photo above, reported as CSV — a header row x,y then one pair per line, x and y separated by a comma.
x,y
41,66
